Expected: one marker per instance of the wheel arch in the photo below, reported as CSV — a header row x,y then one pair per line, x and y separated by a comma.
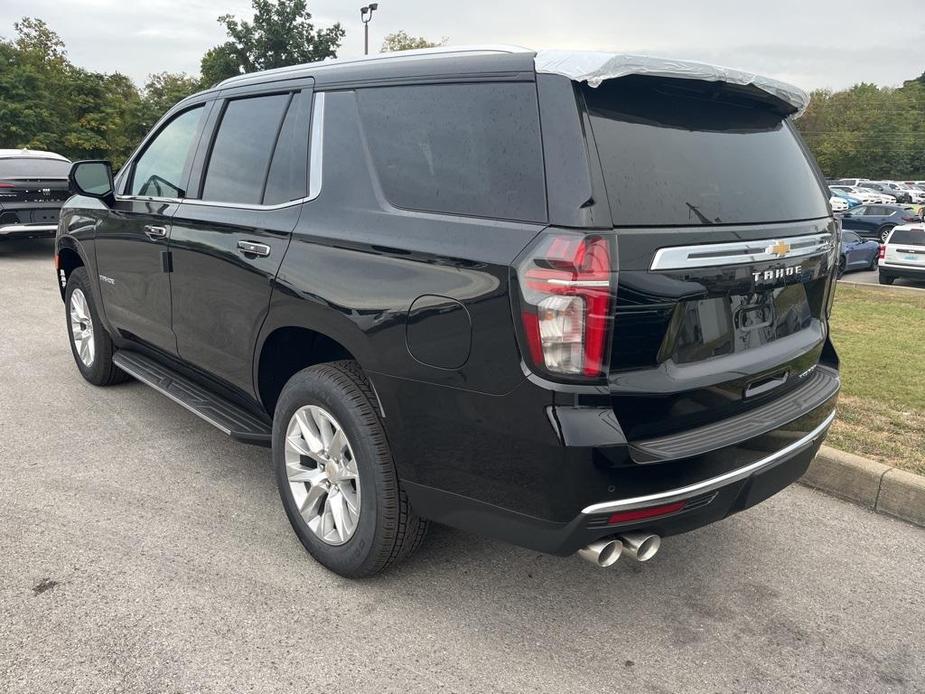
x,y
68,257
286,349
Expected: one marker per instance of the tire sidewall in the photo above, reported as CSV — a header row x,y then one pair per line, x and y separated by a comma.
x,y
96,372
356,556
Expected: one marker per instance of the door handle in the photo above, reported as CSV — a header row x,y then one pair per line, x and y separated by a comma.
x,y
251,248
155,232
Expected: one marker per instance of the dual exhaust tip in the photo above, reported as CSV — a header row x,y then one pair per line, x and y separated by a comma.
x,y
638,546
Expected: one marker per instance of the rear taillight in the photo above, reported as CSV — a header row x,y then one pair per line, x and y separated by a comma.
x,y
566,303
7,185
911,219
882,252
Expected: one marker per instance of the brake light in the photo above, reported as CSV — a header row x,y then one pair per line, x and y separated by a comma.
x,y
882,252
910,219
7,185
566,303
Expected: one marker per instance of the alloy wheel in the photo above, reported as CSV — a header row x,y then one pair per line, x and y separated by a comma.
x,y
82,327
322,473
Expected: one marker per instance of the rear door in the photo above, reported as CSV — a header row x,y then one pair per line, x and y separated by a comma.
x,y
226,245
725,251
131,239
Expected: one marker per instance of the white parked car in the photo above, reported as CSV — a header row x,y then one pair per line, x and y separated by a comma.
x,y
885,198
903,254
916,193
867,197
838,204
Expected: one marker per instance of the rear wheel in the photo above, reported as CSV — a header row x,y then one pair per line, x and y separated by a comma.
x,y
335,473
90,343
886,279
884,231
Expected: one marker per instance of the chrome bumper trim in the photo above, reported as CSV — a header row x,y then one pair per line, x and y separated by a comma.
x,y
712,483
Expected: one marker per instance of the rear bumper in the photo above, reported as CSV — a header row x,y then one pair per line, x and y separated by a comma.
x,y
518,469
705,502
28,231
894,270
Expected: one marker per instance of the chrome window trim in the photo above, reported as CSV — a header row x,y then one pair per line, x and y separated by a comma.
x,y
315,168
316,145
738,252
713,483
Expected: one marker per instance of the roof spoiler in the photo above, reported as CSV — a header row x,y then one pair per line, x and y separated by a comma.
x,y
595,67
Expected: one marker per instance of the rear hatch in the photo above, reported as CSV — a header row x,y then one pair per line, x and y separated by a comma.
x,y
32,189
906,246
724,252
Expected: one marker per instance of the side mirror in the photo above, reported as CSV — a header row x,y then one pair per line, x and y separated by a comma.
x,y
92,178
846,214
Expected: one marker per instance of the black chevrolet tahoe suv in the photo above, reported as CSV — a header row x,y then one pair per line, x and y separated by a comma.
x,y
469,286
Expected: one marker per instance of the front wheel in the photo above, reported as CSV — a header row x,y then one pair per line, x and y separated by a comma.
x,y
90,343
335,473
842,266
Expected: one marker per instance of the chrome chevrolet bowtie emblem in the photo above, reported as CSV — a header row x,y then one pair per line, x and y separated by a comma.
x,y
778,248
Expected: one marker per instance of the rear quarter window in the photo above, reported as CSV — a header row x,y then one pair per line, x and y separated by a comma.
x,y
468,149
677,153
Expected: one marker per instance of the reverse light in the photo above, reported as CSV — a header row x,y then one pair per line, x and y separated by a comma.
x,y
566,303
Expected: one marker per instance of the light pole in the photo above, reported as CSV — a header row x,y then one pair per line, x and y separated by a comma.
x,y
366,13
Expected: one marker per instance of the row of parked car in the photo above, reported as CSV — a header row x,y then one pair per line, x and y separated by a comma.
x,y
875,217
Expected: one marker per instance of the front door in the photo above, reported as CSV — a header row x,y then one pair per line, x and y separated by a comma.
x,y
131,240
227,245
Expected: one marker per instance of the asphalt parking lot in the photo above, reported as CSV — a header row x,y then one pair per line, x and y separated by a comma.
x,y
142,550
873,277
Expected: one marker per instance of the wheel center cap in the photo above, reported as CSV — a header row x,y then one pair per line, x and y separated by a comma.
x,y
331,471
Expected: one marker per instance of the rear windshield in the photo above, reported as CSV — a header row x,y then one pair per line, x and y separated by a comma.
x,y
673,154
29,167
908,237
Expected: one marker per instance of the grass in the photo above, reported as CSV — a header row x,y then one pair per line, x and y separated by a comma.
x,y
880,337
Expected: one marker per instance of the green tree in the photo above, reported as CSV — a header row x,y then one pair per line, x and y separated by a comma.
x,y
403,41
869,131
280,34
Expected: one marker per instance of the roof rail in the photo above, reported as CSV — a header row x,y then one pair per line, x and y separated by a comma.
x,y
391,55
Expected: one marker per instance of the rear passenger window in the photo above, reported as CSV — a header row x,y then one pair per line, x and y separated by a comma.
x,y
470,149
241,153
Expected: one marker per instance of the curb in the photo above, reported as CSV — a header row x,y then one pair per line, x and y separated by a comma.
x,y
878,487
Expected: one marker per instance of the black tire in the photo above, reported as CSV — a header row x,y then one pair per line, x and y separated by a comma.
x,y
101,371
886,279
884,231
387,530
873,261
842,266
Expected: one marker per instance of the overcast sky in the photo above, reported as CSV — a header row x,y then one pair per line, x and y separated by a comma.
x,y
808,42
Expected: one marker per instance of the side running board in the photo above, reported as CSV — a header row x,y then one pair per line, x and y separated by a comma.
x,y
221,413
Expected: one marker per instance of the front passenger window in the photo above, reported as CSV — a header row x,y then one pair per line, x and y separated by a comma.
x,y
159,170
